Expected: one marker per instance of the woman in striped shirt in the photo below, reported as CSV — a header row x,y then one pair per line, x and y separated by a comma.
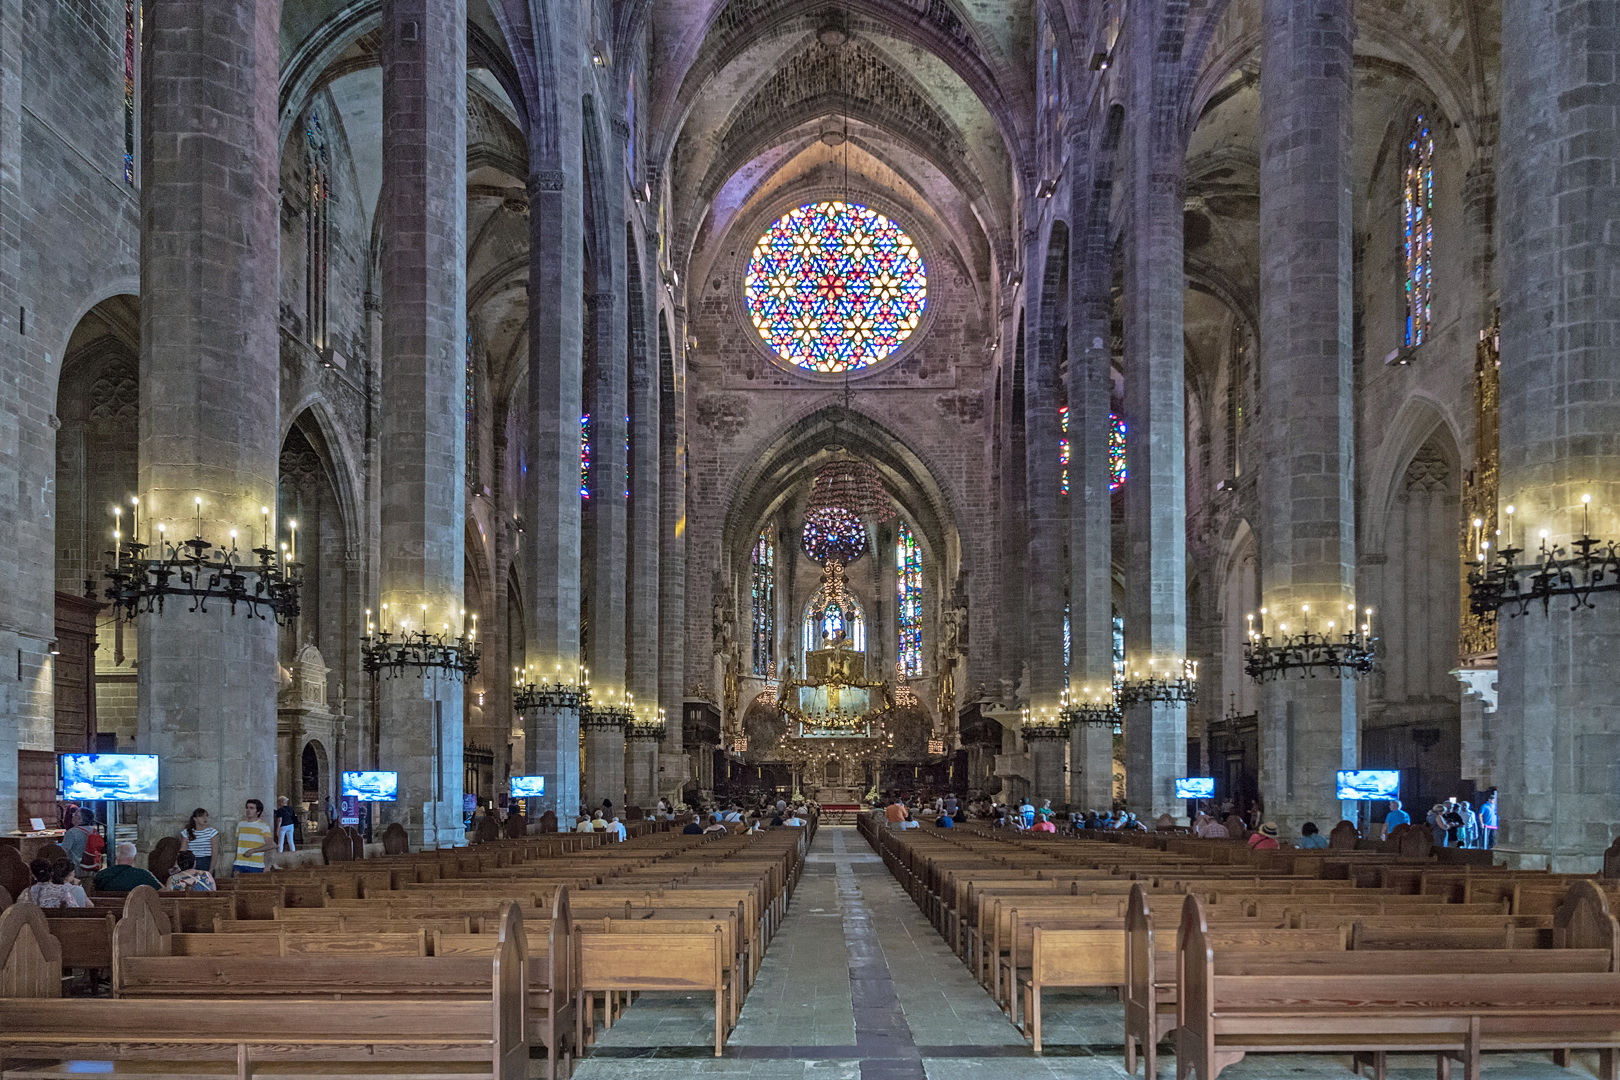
x,y
201,839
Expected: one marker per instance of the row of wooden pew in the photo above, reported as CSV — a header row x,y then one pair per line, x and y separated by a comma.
x,y
1349,952
532,936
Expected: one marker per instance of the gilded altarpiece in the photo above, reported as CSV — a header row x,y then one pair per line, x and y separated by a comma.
x,y
1476,639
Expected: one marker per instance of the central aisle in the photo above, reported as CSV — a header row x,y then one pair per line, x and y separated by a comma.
x,y
855,986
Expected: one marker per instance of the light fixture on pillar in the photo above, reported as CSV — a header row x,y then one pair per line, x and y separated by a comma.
x,y
1091,708
1046,723
392,649
1499,582
647,725
531,696
143,576
606,713
1315,645
1168,681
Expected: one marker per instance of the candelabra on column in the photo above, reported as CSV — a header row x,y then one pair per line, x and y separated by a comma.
x,y
1091,708
391,651
1167,681
1500,582
1310,651
529,695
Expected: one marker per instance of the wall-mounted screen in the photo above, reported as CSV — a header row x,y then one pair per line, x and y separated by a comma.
x,y
528,787
372,786
1195,787
1369,783
115,777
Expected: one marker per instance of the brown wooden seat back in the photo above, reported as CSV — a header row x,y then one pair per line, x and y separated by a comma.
x,y
396,841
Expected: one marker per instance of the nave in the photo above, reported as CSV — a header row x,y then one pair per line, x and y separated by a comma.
x,y
858,986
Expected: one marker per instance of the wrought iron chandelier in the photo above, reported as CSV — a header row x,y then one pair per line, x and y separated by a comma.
x,y
1046,724
647,726
142,577
608,714
531,696
1499,582
387,651
1089,709
1174,681
1322,651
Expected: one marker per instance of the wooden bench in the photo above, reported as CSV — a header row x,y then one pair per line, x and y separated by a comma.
x,y
633,963
1287,1009
488,1028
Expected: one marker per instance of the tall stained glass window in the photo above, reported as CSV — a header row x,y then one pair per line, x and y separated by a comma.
x,y
835,287
908,564
764,595
1417,209
585,456
1063,448
132,37
1117,471
317,232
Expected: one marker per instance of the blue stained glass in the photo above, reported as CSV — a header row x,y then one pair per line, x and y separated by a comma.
x,y
764,597
835,287
585,456
1417,213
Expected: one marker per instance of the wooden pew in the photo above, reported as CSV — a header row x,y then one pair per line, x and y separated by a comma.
x,y
631,963
373,1029
1271,1007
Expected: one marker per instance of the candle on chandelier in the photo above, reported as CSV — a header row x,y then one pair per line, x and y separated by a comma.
x,y
1586,515
265,510
292,530
135,519
198,502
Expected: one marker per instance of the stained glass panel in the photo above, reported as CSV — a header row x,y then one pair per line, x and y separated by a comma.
x,y
839,615
1063,448
132,36
1117,471
764,596
585,456
908,564
1418,228
835,287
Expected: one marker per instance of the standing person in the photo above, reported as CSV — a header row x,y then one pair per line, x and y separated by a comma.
x,y
1488,821
286,822
124,875
1395,817
253,839
1452,818
331,813
76,833
1026,810
201,838
1470,823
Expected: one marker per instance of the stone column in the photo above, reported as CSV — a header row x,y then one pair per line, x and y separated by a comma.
x,y
1091,570
210,389
646,509
1560,419
1155,411
1047,750
641,770
604,759
672,549
1308,727
423,440
549,549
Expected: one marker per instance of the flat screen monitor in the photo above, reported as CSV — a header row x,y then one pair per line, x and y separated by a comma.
x,y
114,777
1369,783
1195,787
372,786
528,787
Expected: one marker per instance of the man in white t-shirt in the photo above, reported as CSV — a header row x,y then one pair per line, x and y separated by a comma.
x,y
584,825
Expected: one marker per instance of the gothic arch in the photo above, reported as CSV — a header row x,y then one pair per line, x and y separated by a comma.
x,y
1421,419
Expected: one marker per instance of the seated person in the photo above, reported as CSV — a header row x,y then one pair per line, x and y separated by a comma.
x,y
795,821
715,826
1266,838
1044,825
124,875
585,825
945,821
1310,837
187,878
693,828
55,885
617,830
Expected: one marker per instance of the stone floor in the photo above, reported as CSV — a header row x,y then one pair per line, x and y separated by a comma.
x,y
858,986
